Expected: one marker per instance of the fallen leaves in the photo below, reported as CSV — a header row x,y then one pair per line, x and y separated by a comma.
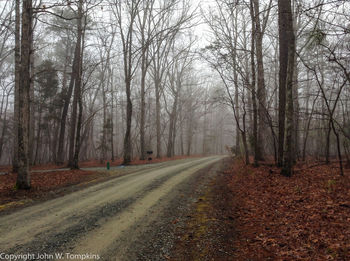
x,y
290,218
261,215
43,183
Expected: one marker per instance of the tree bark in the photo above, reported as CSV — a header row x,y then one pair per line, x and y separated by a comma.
x,y
296,108
128,56
288,157
73,124
170,147
103,144
261,91
143,103
127,138
17,83
76,77
31,104
283,60
253,93
79,124
38,134
78,91
112,114
67,98
23,177
5,123
328,137
157,90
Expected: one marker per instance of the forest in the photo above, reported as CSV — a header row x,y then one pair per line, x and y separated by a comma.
x,y
107,79
175,129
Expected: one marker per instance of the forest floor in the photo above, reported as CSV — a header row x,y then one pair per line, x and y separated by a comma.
x,y
252,213
49,181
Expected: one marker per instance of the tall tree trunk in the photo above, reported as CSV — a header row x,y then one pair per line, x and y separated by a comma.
x,y
112,114
143,103
173,114
79,124
296,108
17,84
31,105
127,138
4,127
283,60
128,74
23,177
38,134
67,98
103,145
253,83
157,90
182,149
235,79
238,150
244,139
288,158
73,125
78,93
76,75
261,91
54,141
190,130
204,145
328,137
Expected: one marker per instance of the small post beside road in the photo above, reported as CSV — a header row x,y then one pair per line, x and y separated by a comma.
x,y
108,165
149,155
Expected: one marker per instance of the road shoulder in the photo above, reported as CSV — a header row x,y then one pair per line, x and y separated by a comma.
x,y
208,230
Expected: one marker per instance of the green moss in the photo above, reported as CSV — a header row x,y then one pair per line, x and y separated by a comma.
x,y
331,252
298,189
199,225
331,185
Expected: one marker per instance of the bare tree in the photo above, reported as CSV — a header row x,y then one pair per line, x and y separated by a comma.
x,y
126,30
286,18
17,84
67,97
23,177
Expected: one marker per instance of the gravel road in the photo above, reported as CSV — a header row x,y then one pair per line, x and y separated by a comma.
x,y
126,218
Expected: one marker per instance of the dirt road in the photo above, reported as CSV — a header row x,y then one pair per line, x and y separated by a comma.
x,y
116,220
